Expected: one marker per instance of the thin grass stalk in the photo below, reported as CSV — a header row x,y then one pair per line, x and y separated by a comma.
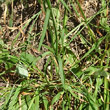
x,y
106,94
85,19
55,28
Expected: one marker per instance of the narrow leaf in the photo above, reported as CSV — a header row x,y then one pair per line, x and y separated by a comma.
x,y
44,28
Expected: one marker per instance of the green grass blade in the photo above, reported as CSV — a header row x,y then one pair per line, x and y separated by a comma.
x,y
6,105
65,5
31,105
16,37
95,46
56,98
54,25
44,28
37,100
106,94
61,72
45,102
14,98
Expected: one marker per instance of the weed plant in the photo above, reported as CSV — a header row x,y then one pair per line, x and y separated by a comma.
x,y
69,77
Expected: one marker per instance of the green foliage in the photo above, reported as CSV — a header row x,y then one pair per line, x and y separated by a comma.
x,y
52,70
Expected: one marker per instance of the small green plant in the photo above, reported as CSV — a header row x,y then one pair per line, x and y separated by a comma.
x,y
74,60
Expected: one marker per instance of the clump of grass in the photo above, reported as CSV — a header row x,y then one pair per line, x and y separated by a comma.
x,y
69,77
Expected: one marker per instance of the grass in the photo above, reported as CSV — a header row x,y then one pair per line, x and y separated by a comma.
x,y
48,69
